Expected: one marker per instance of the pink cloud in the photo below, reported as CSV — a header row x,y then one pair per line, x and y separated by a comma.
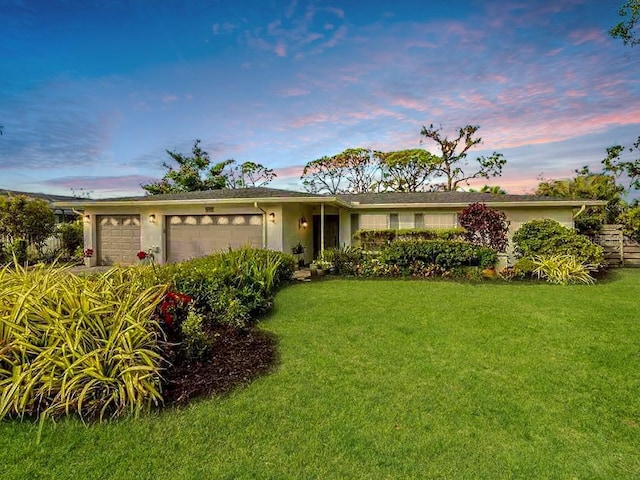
x,y
169,98
280,50
579,37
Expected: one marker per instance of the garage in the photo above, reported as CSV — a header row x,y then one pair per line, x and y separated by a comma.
x,y
118,239
190,236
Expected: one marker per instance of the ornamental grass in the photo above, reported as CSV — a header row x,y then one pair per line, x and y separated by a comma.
x,y
79,344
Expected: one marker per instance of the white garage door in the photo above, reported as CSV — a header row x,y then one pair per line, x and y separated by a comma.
x,y
190,236
118,239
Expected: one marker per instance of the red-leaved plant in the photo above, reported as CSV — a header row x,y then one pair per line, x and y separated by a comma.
x,y
173,308
485,226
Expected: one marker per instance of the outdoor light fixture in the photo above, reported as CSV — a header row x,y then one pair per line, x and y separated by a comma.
x,y
272,217
152,218
302,223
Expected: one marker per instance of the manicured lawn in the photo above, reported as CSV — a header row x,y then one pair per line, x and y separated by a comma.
x,y
396,379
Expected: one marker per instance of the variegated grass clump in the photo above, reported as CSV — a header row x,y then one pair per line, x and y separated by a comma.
x,y
84,344
562,269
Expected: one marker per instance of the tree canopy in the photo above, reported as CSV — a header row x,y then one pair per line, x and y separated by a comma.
x,y
195,173
28,219
627,29
407,170
355,170
452,163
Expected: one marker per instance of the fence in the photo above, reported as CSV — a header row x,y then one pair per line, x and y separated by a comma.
x,y
619,249
51,243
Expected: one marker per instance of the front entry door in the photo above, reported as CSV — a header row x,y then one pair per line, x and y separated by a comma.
x,y
331,233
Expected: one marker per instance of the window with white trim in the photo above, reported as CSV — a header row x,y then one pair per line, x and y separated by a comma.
x,y
440,220
371,221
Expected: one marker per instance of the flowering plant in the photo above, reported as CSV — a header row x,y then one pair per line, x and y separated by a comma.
x,y
142,255
174,307
88,253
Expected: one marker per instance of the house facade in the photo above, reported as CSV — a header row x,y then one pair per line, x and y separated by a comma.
x,y
176,227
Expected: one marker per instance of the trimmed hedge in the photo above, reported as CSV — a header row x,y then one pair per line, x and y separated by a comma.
x,y
233,287
445,254
378,238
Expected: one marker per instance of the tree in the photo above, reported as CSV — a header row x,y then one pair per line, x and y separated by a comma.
x,y
485,226
592,186
407,170
355,170
25,220
451,163
626,30
195,174
614,164
248,174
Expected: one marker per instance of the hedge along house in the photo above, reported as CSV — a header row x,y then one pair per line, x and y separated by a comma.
x,y
176,227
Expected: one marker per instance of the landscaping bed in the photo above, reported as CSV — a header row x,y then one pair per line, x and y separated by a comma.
x,y
236,358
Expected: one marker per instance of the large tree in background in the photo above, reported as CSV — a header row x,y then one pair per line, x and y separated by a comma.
x,y
248,174
355,170
627,29
592,186
407,170
195,173
451,162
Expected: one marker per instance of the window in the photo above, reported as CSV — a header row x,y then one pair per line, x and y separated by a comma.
x,y
370,221
418,220
440,220
394,221
355,223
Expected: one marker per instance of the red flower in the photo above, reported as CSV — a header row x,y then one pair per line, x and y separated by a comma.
x,y
141,255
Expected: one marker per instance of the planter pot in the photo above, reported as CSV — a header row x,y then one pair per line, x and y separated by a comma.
x,y
320,272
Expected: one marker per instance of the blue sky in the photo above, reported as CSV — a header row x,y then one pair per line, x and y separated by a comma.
x,y
93,92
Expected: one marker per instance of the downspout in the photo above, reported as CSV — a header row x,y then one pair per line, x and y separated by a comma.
x,y
264,224
322,230
582,209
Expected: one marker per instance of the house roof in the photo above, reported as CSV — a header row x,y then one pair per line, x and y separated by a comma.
x,y
43,196
220,194
355,200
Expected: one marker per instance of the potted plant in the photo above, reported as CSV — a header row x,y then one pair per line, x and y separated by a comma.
x,y
88,253
298,251
323,266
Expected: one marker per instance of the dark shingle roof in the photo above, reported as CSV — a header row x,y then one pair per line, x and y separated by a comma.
x,y
439,197
43,196
222,194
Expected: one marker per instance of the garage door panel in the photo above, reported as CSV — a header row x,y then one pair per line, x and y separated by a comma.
x,y
199,235
118,239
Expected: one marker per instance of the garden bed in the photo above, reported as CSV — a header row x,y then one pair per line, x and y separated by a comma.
x,y
237,358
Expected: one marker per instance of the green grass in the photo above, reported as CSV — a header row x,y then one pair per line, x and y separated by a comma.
x,y
395,379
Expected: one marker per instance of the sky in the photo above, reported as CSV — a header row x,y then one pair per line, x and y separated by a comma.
x,y
94,92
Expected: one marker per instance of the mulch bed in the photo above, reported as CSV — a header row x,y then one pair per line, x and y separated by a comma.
x,y
237,358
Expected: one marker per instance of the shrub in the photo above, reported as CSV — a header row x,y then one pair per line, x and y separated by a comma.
x,y
372,239
233,287
484,226
71,236
562,269
630,218
445,254
195,341
549,238
78,343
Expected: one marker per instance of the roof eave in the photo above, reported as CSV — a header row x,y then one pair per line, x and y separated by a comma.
x,y
202,201
510,204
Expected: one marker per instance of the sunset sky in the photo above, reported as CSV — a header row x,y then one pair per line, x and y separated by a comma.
x,y
93,92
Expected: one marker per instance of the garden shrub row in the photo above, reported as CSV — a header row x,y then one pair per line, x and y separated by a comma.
x,y
423,258
97,345
377,238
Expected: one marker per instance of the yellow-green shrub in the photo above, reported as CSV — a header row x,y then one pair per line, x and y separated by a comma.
x,y
78,344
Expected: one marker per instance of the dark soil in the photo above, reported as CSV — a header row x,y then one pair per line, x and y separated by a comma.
x,y
237,358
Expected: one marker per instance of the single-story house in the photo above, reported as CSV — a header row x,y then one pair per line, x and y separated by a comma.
x,y
180,226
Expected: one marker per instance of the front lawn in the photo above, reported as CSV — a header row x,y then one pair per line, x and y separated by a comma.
x,y
395,379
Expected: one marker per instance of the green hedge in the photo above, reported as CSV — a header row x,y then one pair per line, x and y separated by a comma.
x,y
377,238
445,254
546,238
233,287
